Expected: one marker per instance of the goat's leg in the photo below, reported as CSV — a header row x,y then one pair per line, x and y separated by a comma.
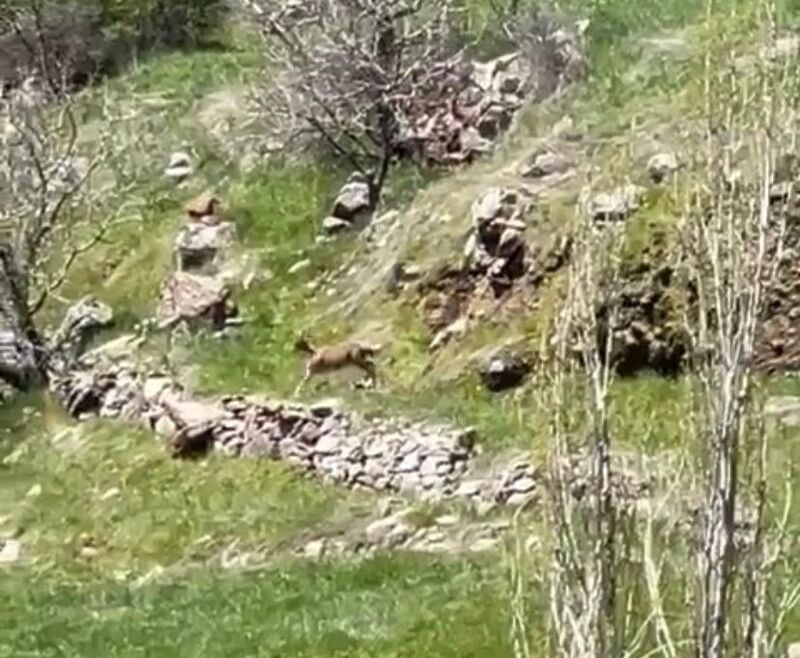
x,y
302,383
369,369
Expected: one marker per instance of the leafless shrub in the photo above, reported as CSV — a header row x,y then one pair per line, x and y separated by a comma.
x,y
553,47
53,201
355,73
733,238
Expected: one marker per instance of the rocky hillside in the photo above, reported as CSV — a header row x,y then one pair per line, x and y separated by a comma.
x,y
395,515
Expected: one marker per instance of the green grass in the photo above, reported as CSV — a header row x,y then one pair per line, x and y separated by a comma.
x,y
387,606
115,484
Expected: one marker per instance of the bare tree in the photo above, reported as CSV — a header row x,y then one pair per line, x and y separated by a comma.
x,y
586,528
52,198
358,74
734,230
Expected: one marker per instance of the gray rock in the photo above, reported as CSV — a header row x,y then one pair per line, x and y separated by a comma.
x,y
194,298
328,444
388,532
662,165
353,199
503,370
10,551
617,205
153,387
410,463
496,203
469,489
315,549
164,427
180,167
334,225
545,164
201,247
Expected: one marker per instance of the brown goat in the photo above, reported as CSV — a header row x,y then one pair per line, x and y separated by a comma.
x,y
336,357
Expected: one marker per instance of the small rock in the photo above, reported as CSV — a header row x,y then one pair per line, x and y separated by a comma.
x,y
164,427
315,550
503,370
299,266
545,164
495,203
35,491
524,484
781,192
10,551
89,552
563,127
180,167
334,225
410,463
204,207
483,545
353,199
662,165
199,247
328,444
469,489
783,47
519,499
467,438
793,650
447,520
456,329
388,532
113,492
617,205
153,387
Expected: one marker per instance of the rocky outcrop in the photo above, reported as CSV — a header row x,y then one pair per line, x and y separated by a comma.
x,y
417,459
196,293
82,322
393,455
197,300
497,246
201,247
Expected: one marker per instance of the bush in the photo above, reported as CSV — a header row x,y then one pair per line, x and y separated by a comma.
x,y
97,37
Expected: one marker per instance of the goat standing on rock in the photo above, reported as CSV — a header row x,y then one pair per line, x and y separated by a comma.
x,y
337,357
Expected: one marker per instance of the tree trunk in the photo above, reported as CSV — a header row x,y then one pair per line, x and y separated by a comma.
x,y
20,344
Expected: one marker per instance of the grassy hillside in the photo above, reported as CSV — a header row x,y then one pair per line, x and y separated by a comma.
x,y
124,551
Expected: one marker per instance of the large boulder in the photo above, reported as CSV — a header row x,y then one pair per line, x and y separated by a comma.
x,y
195,299
200,247
81,323
497,245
